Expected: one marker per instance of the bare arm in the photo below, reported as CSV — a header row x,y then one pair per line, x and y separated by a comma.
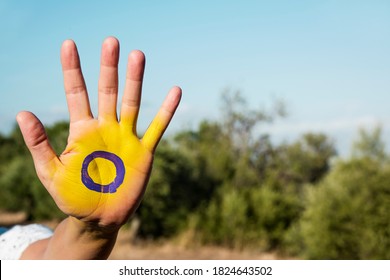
x,y
72,239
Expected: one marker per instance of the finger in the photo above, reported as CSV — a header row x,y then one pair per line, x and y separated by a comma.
x,y
160,123
132,94
36,140
75,89
108,81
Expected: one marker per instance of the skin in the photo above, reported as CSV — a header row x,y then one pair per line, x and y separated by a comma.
x,y
94,217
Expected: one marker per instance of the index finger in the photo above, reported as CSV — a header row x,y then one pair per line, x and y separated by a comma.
x,y
75,89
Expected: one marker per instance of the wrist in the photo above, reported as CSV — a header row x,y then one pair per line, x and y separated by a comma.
x,y
93,229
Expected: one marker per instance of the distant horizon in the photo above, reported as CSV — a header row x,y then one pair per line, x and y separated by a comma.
x,y
279,133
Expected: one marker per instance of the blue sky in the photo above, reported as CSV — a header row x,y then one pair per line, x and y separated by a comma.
x,y
328,60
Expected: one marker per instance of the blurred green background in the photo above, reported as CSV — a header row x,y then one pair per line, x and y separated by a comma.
x,y
224,184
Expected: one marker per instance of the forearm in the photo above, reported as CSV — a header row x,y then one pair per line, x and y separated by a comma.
x,y
74,239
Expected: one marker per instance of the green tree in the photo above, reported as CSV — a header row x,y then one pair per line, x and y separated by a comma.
x,y
253,205
369,145
348,213
305,161
175,190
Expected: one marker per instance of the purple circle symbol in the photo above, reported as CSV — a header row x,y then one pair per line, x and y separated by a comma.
x,y
111,187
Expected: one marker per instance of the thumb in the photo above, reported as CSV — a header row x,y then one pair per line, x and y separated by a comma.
x,y
36,140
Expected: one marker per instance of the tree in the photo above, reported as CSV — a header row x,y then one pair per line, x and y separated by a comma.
x,y
347,214
176,188
369,145
250,206
305,161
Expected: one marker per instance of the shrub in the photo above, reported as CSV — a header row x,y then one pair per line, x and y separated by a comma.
x,y
348,214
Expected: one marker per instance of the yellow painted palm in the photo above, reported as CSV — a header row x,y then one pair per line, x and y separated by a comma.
x,y
103,168
102,174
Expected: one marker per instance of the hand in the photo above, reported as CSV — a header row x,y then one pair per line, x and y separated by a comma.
x,y
102,174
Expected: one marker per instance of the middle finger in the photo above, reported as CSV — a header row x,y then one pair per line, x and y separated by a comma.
x,y
108,80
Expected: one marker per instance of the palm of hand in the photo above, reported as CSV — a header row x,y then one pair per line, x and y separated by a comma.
x,y
102,174
102,171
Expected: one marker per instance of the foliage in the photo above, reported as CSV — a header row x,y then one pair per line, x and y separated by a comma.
x,y
369,145
348,214
228,184
173,192
256,217
305,161
258,197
